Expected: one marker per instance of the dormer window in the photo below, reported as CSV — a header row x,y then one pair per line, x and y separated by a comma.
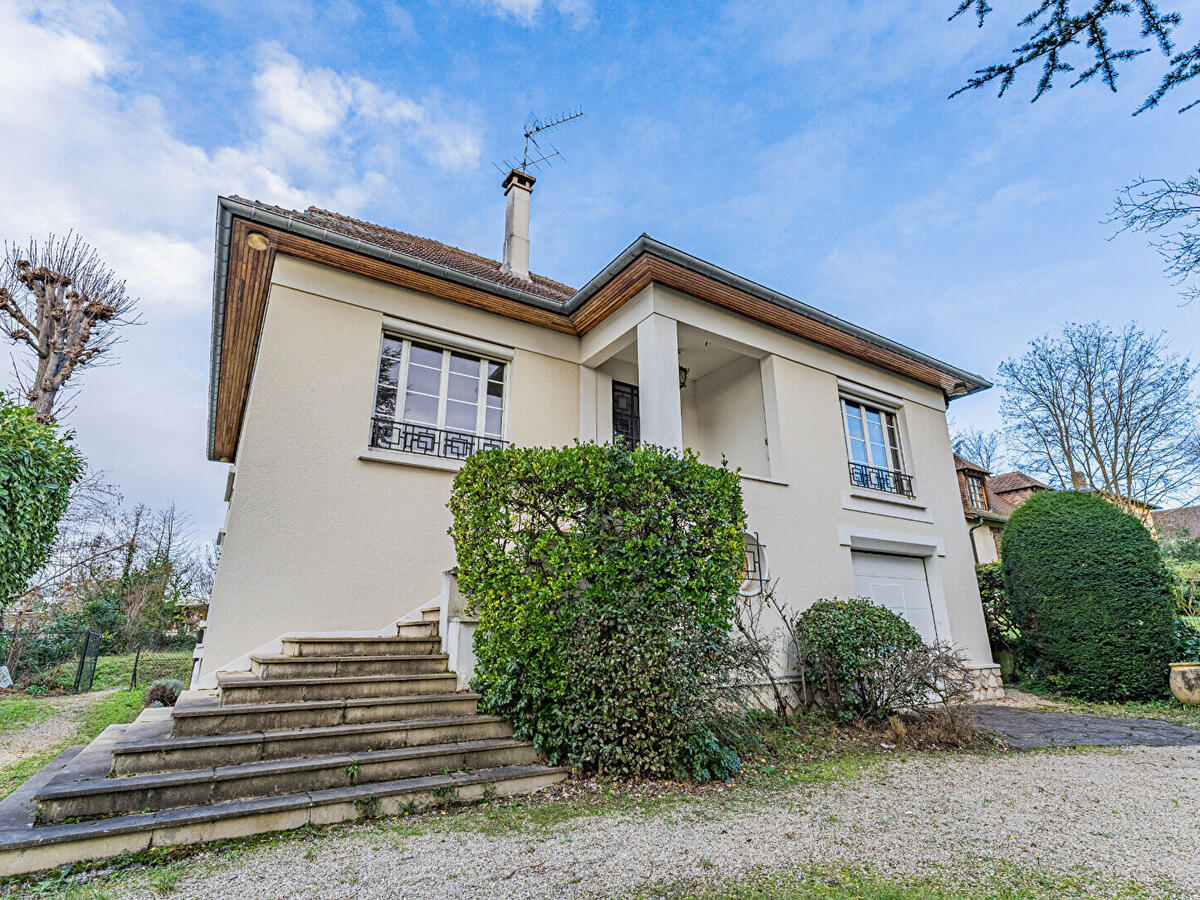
x,y
976,492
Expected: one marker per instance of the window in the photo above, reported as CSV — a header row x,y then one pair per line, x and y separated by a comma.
x,y
873,448
976,492
437,401
755,575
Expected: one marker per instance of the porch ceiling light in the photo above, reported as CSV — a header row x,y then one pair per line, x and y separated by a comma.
x,y
256,241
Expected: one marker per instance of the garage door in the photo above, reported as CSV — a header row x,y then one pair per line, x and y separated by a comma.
x,y
897,583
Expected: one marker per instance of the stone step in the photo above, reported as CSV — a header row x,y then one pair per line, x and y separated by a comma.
x,y
279,665
390,645
152,749
25,849
206,715
241,688
431,615
64,797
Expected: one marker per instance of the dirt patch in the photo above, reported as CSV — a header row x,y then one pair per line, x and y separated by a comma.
x,y
48,733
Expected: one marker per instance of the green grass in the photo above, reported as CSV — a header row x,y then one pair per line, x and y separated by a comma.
x,y
18,712
115,708
999,883
117,671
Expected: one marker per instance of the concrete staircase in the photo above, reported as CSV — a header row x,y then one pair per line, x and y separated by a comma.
x,y
330,729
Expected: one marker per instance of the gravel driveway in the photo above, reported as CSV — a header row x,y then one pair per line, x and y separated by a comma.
x,y
1126,814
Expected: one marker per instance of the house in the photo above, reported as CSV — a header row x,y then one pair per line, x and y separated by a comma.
x,y
354,367
987,501
1169,524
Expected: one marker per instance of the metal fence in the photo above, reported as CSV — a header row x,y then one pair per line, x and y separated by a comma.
x,y
41,662
50,662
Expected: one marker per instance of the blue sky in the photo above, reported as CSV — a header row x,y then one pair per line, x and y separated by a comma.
x,y
807,145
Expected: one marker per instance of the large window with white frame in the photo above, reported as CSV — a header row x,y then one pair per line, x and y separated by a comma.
x,y
437,401
873,448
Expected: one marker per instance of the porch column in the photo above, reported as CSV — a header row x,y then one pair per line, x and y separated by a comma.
x,y
658,381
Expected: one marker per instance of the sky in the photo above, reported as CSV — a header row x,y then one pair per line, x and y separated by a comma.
x,y
809,146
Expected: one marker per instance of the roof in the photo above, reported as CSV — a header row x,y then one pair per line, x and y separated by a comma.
x,y
1014,481
399,258
1171,522
419,247
960,463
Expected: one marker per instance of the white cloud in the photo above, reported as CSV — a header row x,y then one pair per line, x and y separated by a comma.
x,y
579,12
107,163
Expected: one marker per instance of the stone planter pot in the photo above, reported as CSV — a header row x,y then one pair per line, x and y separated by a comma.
x,y
1185,682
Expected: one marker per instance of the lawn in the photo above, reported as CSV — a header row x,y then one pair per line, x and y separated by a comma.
x,y
117,671
18,712
109,709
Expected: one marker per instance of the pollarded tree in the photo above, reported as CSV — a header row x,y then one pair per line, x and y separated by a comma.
x,y
1089,596
61,301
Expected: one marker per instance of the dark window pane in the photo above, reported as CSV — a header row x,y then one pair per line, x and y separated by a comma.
x,y
460,415
424,380
389,371
420,408
385,402
424,355
495,371
495,389
463,387
464,365
393,347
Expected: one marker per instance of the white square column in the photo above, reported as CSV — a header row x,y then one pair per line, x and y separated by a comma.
x,y
658,381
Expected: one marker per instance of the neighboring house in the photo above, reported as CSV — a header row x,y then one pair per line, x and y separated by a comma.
x,y
1175,523
988,500
354,368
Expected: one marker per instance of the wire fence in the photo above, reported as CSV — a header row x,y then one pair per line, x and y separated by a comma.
x,y
56,662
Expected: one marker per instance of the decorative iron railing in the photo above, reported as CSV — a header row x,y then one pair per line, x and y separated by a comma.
x,y
881,479
388,434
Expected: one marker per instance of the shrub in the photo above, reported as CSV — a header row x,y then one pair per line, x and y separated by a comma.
x,y
37,468
603,577
840,646
1187,642
1001,630
165,692
1090,596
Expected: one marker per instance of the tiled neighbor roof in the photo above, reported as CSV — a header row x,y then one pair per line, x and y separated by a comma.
x,y
423,248
1169,522
1013,481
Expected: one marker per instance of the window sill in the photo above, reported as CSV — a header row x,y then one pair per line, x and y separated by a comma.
x,y
417,460
883,503
763,478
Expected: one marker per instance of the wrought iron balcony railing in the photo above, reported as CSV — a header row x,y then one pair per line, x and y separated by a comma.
x,y
881,479
388,434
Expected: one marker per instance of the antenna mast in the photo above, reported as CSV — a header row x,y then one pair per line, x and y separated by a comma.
x,y
533,127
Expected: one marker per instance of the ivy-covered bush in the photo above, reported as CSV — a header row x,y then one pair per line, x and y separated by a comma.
x,y
1090,597
38,465
841,645
603,577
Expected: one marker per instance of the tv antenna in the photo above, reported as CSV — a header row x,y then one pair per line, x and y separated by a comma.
x,y
533,153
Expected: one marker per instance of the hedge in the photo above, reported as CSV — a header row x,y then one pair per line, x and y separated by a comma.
x,y
603,577
1090,597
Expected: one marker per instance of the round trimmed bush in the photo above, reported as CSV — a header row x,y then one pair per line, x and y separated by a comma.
x,y
1090,597
839,644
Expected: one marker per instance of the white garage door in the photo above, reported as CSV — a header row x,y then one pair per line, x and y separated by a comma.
x,y
897,583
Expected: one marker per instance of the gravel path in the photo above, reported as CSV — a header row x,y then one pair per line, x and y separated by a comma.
x,y
1127,814
50,732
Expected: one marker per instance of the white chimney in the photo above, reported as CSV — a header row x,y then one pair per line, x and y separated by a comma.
x,y
518,186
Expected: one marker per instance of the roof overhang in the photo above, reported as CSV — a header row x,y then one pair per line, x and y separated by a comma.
x,y
243,274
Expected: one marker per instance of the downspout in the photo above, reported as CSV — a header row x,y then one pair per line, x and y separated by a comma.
x,y
971,535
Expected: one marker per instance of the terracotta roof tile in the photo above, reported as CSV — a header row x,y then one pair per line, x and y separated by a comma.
x,y
422,248
960,463
1013,481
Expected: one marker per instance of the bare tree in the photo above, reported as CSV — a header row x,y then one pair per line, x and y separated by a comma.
x,y
60,300
1105,410
980,446
1058,27
1169,211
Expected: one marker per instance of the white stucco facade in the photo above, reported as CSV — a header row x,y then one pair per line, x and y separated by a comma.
x,y
324,533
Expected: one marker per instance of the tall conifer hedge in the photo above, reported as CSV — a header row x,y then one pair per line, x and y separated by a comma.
x,y
1090,597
